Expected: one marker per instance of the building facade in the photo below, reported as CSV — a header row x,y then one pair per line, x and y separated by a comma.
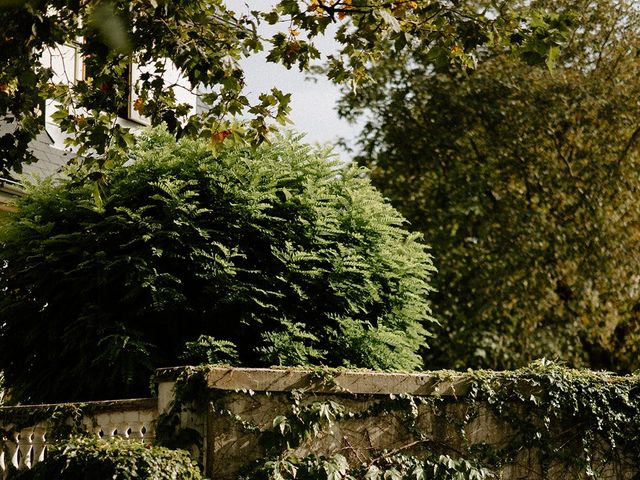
x,y
49,148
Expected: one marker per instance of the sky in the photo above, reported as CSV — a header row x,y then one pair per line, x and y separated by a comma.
x,y
313,103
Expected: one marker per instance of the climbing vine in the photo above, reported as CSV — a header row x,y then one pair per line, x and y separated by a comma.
x,y
190,394
61,420
546,420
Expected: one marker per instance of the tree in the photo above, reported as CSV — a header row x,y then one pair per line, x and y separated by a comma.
x,y
205,40
263,256
525,183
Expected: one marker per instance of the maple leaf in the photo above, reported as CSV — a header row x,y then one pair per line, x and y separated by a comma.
x,y
218,137
346,5
138,105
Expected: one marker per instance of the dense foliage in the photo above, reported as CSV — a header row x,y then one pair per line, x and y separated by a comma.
x,y
392,466
205,40
274,255
526,185
92,458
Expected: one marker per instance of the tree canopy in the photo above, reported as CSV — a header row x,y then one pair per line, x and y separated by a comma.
x,y
525,182
205,40
267,256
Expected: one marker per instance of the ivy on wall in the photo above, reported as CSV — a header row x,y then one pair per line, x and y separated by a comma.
x,y
559,423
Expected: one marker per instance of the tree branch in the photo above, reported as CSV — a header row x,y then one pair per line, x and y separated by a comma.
x,y
627,147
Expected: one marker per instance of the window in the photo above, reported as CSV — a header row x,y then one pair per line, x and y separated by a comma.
x,y
115,92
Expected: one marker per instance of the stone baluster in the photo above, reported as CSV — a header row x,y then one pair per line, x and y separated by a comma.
x,y
24,447
132,418
148,434
110,430
123,429
136,434
106,424
90,425
39,443
117,424
147,430
12,450
4,471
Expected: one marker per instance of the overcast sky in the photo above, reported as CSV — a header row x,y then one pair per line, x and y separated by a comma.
x,y
313,102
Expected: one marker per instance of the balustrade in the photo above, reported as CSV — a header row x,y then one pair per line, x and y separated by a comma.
x,y
23,447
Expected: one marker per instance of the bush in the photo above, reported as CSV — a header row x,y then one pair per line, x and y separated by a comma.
x,y
274,255
92,458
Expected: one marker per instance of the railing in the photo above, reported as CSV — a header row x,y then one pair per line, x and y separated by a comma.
x,y
24,444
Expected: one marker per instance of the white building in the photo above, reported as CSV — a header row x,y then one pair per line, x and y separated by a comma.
x,y
48,147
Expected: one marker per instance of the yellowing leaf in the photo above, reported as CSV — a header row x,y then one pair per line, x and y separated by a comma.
x,y
219,137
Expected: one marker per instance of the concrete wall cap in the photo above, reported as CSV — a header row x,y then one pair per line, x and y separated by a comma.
x,y
329,381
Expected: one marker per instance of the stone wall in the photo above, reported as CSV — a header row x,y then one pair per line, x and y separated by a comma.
x,y
378,414
238,417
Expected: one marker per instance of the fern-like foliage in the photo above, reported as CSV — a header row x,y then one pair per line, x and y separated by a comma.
x,y
276,250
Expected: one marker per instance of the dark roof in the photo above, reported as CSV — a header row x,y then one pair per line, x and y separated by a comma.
x,y
50,158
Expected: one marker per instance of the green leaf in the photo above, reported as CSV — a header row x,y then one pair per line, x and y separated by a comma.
x,y
390,19
552,56
281,423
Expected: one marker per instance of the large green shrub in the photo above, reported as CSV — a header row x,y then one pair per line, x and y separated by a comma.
x,y
92,458
274,255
